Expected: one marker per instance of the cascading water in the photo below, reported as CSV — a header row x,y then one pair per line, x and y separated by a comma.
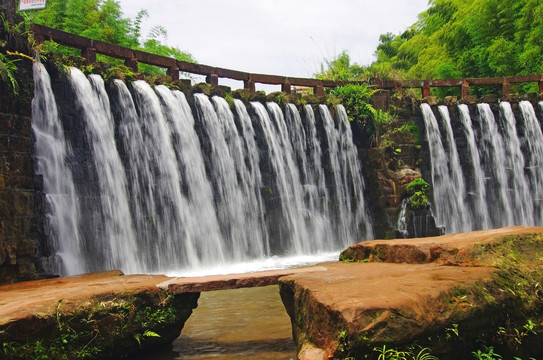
x,y
62,205
475,191
456,174
502,181
532,143
448,196
493,160
112,239
158,189
519,193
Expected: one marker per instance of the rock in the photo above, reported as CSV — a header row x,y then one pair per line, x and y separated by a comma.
x,y
398,293
489,98
430,100
93,316
450,100
469,100
309,352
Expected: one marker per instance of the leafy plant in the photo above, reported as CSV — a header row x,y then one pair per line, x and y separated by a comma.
x,y
516,336
419,193
391,354
7,73
356,98
486,354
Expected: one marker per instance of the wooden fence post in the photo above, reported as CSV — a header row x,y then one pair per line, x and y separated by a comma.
x,y
426,89
464,90
285,86
212,79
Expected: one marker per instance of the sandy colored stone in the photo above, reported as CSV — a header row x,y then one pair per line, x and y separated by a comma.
x,y
447,249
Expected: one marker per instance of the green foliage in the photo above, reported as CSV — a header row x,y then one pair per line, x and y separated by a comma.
x,y
391,354
419,194
340,68
457,38
103,20
486,354
356,99
7,73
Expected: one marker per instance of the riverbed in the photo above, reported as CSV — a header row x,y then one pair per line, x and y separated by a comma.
x,y
239,324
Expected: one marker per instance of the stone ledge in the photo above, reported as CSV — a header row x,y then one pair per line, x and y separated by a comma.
x,y
373,299
92,316
448,250
231,281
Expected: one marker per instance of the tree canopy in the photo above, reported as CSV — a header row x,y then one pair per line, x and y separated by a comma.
x,y
461,38
103,20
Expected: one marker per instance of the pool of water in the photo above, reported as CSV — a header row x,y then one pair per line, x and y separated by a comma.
x,y
239,324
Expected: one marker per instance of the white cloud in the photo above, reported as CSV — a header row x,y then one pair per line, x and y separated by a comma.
x,y
286,37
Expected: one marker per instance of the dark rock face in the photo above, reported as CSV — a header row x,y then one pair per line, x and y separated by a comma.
x,y
20,201
421,223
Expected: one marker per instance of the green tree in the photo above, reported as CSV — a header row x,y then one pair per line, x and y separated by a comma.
x,y
103,20
467,38
341,69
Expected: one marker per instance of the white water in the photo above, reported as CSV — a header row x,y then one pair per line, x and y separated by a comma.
x,y
401,224
503,183
61,202
533,148
476,191
448,200
492,153
519,193
115,240
162,190
456,175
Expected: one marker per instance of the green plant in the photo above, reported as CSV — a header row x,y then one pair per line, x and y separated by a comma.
x,y
391,354
486,354
424,354
516,336
419,193
356,98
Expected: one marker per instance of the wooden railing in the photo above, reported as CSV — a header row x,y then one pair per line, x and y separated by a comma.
x,y
89,48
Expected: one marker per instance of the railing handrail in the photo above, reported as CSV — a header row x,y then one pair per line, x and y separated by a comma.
x,y
89,48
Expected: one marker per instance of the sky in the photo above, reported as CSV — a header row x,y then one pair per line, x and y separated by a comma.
x,y
280,37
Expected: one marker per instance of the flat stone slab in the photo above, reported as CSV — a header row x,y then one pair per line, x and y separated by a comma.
x,y
232,281
32,298
406,290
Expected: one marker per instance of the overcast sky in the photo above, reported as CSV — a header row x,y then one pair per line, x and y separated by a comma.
x,y
282,37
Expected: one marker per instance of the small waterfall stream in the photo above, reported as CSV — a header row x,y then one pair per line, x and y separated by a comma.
x,y
164,186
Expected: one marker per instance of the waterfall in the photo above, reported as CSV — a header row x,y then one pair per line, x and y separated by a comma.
x,y
519,193
159,185
401,224
51,163
499,177
476,191
533,145
494,165
110,224
456,174
448,194
346,187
